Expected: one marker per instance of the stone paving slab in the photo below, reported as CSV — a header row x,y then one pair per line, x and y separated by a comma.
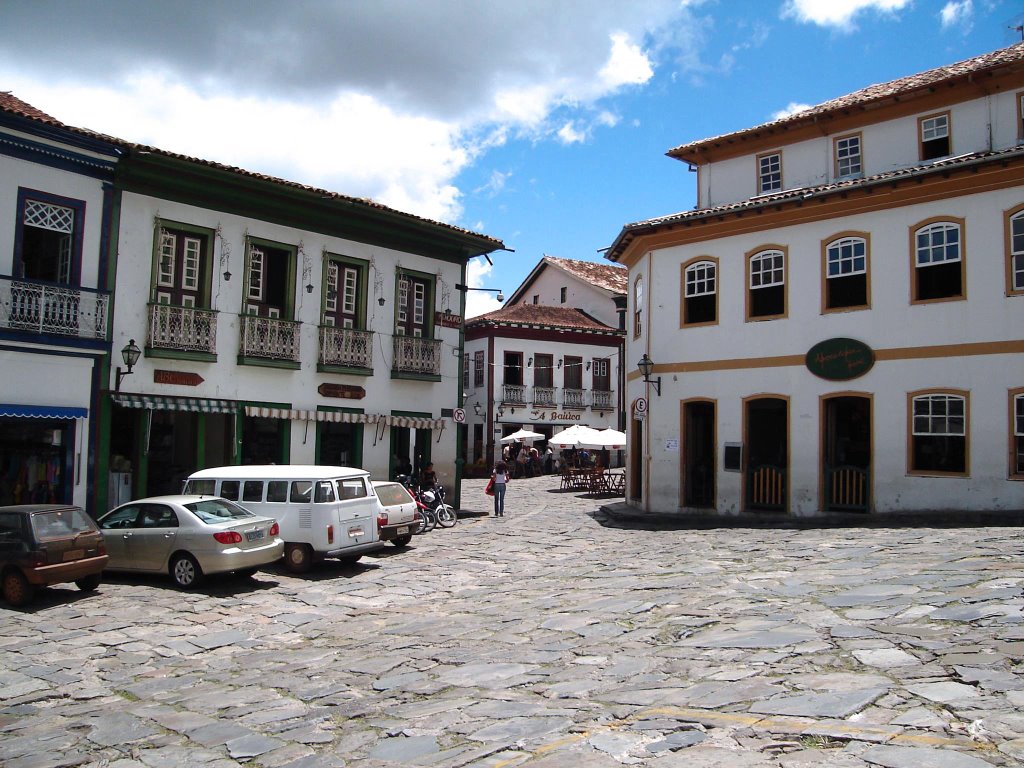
x,y
558,636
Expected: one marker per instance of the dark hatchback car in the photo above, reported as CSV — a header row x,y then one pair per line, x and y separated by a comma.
x,y
42,544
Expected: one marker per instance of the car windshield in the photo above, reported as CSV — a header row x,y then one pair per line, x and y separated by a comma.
x,y
392,494
61,523
217,510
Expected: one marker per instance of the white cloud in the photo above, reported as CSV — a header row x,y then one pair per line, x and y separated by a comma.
x,y
627,64
957,15
837,13
791,109
495,184
569,135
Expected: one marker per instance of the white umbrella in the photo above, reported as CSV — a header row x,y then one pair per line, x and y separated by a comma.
x,y
610,439
574,437
521,435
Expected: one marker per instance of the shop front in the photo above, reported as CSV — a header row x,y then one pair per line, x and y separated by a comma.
x,y
38,453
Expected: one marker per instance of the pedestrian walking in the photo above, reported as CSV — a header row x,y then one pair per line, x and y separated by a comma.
x,y
500,477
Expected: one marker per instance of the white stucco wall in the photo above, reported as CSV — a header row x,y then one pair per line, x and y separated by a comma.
x,y
595,301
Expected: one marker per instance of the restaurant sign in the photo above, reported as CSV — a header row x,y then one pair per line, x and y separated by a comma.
x,y
840,359
554,416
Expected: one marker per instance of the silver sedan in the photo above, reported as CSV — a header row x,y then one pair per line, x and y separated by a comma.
x,y
189,537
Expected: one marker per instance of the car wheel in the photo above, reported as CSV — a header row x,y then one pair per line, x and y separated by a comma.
x,y
186,571
89,583
298,558
402,541
17,590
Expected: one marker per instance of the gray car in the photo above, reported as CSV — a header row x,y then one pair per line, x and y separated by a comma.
x,y
189,537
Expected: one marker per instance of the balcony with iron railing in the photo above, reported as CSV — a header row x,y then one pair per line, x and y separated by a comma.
x,y
269,338
36,306
513,394
182,329
601,400
544,397
574,398
416,357
346,347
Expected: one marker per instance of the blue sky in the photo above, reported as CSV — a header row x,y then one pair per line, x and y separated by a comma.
x,y
543,123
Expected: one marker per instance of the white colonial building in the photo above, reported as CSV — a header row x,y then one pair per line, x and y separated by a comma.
x,y
837,326
549,359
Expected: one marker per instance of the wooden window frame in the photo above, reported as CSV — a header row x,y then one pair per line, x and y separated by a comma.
x,y
761,190
638,310
914,230
921,140
206,238
479,366
748,259
684,268
860,156
290,254
826,244
1008,218
1019,96
1014,395
965,395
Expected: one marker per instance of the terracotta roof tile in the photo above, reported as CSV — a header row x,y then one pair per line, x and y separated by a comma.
x,y
610,277
11,103
873,93
539,314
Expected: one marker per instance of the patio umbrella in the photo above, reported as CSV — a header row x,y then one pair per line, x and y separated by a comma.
x,y
610,439
574,437
521,436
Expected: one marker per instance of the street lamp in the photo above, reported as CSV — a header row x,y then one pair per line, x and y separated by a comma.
x,y
646,365
500,411
130,354
499,297
477,409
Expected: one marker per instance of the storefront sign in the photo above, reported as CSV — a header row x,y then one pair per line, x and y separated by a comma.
x,y
447,319
182,378
345,391
840,359
554,416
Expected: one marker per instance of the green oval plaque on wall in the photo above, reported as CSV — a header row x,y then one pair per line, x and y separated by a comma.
x,y
840,359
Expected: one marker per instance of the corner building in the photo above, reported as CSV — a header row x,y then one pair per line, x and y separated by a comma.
x,y
838,326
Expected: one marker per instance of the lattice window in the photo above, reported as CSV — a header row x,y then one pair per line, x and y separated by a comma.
x,y
331,304
769,173
403,298
165,270
767,269
349,296
420,302
939,415
1017,252
55,218
700,279
937,244
193,250
256,274
848,156
847,257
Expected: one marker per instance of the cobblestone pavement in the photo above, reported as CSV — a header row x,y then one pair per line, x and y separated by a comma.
x,y
551,637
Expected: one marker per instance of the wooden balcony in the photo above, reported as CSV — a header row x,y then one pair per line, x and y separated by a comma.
x,y
417,356
269,338
346,347
39,307
182,329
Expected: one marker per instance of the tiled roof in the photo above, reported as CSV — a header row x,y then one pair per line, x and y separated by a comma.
x,y
629,231
610,277
12,104
900,87
541,315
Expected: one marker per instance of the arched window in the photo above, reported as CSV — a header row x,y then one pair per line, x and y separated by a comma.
x,y
938,261
1016,255
700,293
766,286
846,273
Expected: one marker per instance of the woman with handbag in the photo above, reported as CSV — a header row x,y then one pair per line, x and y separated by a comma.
x,y
496,485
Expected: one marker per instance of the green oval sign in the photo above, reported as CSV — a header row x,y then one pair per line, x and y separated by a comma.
x,y
840,359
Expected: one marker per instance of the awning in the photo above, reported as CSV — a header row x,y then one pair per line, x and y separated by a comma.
x,y
43,411
168,403
414,422
296,414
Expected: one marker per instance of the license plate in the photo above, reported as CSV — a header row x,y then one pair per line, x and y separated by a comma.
x,y
74,554
402,530
254,535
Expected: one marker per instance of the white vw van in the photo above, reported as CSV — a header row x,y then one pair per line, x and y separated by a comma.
x,y
322,511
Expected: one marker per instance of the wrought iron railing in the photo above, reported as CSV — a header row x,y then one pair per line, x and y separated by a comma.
x,y
544,397
601,400
63,310
345,346
513,394
270,338
416,355
574,398
185,329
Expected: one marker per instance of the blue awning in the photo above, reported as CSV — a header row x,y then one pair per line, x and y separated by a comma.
x,y
42,411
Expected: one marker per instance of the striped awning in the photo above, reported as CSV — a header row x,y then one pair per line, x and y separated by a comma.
x,y
43,411
168,403
296,414
414,422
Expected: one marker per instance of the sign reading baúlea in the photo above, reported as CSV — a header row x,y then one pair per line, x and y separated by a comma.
x,y
840,359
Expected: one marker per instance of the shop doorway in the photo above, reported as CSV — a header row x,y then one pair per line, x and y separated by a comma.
x,y
35,461
636,475
410,449
339,444
766,421
699,454
846,453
